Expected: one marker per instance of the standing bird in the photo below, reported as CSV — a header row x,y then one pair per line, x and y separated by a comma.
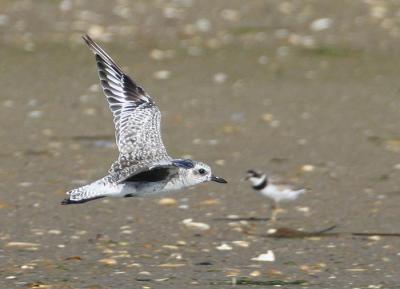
x,y
143,167
275,189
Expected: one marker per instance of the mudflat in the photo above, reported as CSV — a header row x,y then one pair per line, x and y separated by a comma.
x,y
308,90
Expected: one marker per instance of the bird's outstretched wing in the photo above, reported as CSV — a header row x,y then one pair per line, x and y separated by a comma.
x,y
136,116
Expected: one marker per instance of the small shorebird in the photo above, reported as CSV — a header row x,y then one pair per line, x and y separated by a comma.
x,y
273,188
143,167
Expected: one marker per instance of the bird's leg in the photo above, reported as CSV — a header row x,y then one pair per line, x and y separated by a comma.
x,y
275,211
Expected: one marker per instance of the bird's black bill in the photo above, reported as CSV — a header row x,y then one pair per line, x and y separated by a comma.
x,y
218,180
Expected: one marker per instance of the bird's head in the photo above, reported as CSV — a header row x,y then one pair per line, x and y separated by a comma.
x,y
198,172
254,176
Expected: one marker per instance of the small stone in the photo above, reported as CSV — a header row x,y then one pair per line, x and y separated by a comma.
x,y
94,88
267,117
321,24
65,5
195,225
108,261
267,257
172,13
145,273
162,74
157,54
243,244
375,238
3,19
303,209
167,201
11,277
21,244
54,232
35,114
203,25
171,265
96,31
90,111
170,247
220,77
210,202
224,247
255,273
307,168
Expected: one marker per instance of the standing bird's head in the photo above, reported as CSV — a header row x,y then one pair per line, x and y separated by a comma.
x,y
255,177
195,173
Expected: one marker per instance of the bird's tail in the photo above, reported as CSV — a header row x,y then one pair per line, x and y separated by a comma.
x,y
82,195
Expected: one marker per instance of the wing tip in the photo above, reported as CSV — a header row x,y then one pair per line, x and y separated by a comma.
x,y
90,42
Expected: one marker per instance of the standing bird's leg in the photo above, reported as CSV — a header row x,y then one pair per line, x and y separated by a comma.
x,y
275,211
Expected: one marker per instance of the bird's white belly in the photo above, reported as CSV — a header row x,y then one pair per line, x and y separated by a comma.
x,y
280,195
134,189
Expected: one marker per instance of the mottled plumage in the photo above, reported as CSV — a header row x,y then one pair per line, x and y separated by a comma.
x,y
143,166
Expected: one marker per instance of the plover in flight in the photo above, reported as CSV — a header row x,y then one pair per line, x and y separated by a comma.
x,y
274,188
143,167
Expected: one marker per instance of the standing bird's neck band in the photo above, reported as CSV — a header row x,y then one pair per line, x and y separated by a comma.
x,y
261,186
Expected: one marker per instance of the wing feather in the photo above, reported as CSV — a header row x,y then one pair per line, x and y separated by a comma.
x,y
136,116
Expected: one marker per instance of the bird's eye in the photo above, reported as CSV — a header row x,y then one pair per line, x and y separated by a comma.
x,y
202,171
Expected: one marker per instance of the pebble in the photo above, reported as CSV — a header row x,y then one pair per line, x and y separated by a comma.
x,y
162,74
307,168
3,19
170,247
11,277
255,273
96,31
167,201
220,77
195,225
267,257
21,244
35,114
375,238
321,24
303,209
203,25
171,265
224,247
108,261
243,244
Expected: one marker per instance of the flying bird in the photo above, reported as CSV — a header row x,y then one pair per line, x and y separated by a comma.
x,y
143,167
274,188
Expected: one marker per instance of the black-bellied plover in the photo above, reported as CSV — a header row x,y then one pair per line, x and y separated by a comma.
x,y
143,167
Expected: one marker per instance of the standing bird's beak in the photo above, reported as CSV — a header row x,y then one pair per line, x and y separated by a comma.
x,y
245,178
218,179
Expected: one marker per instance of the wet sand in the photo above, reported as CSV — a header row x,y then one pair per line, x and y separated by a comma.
x,y
325,115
